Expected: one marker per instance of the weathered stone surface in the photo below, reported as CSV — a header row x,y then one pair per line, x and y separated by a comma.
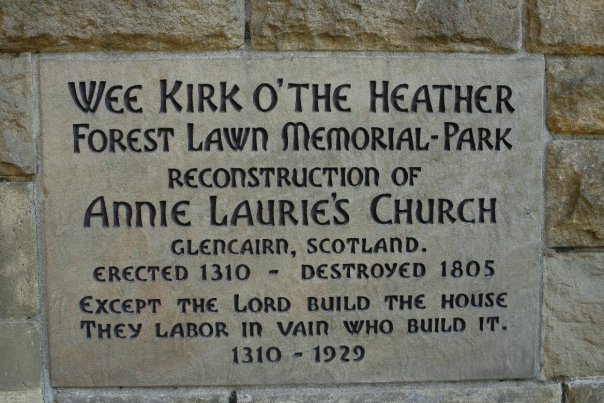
x,y
487,393
575,194
19,356
16,136
575,95
142,396
565,27
392,25
21,396
59,25
81,173
17,260
573,315
585,391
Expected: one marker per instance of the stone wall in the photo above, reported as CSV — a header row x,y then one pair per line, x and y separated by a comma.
x,y
569,34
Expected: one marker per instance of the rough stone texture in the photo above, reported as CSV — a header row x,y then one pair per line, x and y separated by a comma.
x,y
392,25
73,251
59,25
142,396
585,391
487,393
573,315
21,396
575,95
575,194
19,356
16,136
565,26
17,259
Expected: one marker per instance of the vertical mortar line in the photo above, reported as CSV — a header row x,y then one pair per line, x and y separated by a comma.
x,y
564,389
547,138
38,222
247,32
523,26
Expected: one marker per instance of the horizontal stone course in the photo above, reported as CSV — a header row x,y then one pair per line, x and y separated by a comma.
x,y
19,356
575,194
59,25
565,26
17,246
21,396
573,315
142,396
468,393
16,136
390,25
575,95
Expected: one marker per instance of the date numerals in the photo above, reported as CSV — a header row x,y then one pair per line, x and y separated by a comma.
x,y
473,268
248,355
344,353
217,272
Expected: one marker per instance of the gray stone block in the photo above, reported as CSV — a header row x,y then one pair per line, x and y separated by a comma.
x,y
21,396
575,95
18,256
19,356
573,315
585,391
499,248
142,396
575,194
528,392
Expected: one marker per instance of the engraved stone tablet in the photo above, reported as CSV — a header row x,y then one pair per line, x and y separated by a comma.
x,y
229,221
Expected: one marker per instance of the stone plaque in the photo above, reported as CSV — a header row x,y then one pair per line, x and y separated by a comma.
x,y
230,221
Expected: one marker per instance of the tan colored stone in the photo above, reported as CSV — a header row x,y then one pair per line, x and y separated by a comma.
x,y
575,194
392,25
507,181
585,391
16,136
528,392
142,396
573,315
17,260
575,96
19,356
59,25
22,396
565,26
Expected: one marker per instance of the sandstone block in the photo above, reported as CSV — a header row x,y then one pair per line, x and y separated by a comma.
x,y
575,194
573,315
21,396
565,27
16,137
408,25
585,391
500,392
19,356
58,25
142,396
575,95
17,260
